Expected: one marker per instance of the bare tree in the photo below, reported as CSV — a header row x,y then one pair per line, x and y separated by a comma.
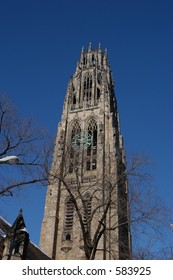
x,y
146,210
151,251
149,216
20,137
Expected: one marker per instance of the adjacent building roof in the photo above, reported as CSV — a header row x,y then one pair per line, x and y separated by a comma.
x,y
33,252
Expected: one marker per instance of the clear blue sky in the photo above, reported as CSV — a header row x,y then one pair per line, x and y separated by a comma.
x,y
40,43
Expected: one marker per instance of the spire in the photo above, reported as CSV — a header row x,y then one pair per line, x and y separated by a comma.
x,y
82,51
82,55
16,242
19,222
106,52
89,47
99,48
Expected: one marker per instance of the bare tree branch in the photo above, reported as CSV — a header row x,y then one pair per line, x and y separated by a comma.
x,y
20,136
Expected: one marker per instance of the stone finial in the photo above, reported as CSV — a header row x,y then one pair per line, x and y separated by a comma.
x,y
89,47
81,56
70,84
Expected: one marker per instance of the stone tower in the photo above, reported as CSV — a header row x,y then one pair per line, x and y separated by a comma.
x,y
86,211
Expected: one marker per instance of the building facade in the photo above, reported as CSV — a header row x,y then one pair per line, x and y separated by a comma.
x,y
86,211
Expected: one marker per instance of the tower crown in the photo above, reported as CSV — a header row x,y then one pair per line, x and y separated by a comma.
x,y
91,81
93,58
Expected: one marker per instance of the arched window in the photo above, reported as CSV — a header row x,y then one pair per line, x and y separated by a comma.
x,y
76,129
87,90
88,81
68,236
69,216
74,149
91,152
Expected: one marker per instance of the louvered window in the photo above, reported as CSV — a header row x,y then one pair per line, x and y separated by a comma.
x,y
74,149
69,216
87,210
91,153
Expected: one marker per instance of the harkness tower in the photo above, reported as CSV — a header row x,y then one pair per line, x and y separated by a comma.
x,y
86,212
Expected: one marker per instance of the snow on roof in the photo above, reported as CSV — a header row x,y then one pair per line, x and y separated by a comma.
x,y
2,233
1,218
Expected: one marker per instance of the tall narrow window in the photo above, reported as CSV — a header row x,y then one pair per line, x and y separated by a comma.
x,y
87,90
84,61
91,153
68,223
93,59
74,143
98,93
73,106
87,209
94,164
74,99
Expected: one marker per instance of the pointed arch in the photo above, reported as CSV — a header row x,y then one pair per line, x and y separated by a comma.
x,y
76,128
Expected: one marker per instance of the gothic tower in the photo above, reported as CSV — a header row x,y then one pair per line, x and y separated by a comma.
x,y
86,211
